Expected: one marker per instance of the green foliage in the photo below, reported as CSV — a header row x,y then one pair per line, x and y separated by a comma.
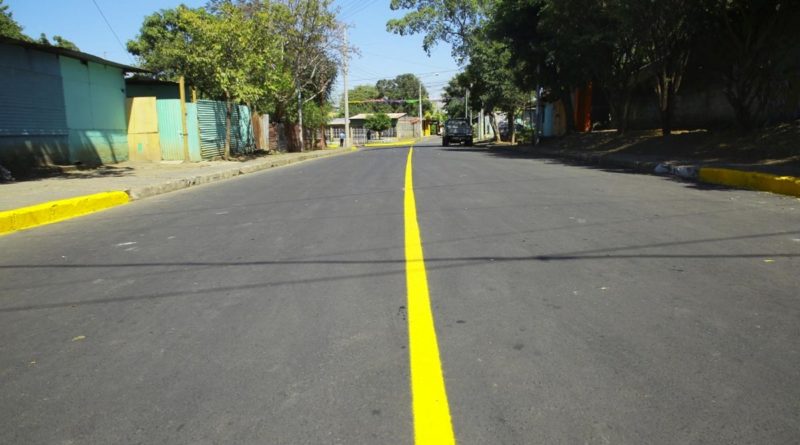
x,y
752,47
400,95
378,122
60,42
8,26
449,21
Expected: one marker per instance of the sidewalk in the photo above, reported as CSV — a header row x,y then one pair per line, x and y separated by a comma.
x,y
136,180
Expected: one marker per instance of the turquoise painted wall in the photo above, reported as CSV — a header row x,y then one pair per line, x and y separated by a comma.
x,y
170,129
194,132
33,125
94,99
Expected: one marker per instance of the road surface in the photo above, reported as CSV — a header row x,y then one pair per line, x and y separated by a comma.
x,y
570,305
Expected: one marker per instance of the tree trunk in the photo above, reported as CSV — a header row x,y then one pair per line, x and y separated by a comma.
x,y
495,128
569,110
228,112
292,138
665,88
323,143
512,127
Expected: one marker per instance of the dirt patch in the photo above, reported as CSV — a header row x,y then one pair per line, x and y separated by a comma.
x,y
774,146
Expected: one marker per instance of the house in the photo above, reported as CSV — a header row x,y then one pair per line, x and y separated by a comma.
x,y
60,106
403,126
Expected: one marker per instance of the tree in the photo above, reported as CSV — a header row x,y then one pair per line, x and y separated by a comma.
x,y
378,122
225,53
669,29
60,42
537,55
450,21
8,26
491,82
752,45
365,99
405,89
311,42
398,95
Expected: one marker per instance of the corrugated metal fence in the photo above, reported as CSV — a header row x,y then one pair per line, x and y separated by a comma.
x,y
211,120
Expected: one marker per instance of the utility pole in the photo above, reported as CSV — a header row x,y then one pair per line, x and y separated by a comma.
x,y
420,108
466,107
182,88
300,116
480,123
346,56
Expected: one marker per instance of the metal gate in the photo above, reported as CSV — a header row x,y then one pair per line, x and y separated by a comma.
x,y
170,129
211,120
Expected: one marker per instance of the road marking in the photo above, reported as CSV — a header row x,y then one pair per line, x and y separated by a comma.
x,y
431,411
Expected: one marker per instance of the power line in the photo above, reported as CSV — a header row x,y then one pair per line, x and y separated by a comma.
x,y
416,74
125,50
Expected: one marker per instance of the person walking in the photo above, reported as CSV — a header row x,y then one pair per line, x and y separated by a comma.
x,y
341,139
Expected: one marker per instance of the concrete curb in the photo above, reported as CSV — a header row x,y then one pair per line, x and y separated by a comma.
x,y
183,183
54,211
391,144
784,185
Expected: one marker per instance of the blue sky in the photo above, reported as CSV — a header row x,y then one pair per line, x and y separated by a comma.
x,y
383,55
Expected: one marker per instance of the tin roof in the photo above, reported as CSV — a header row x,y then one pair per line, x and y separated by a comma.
x,y
70,53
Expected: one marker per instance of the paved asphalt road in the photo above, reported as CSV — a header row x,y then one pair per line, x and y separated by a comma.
x,y
572,305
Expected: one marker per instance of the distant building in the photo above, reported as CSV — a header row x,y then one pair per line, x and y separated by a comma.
x,y
60,106
402,127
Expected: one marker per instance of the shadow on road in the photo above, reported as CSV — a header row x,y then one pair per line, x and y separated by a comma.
x,y
433,264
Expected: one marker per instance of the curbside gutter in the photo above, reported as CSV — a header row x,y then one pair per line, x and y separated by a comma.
x,y
55,211
750,180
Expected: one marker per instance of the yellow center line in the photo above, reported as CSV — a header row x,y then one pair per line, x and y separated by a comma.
x,y
432,423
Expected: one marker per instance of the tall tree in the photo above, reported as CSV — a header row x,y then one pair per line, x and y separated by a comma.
x,y
219,52
669,29
752,44
449,21
404,90
312,39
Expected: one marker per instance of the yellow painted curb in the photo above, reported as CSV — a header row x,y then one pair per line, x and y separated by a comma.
x,y
784,185
391,144
54,211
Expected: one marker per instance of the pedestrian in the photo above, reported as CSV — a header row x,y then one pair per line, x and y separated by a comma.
x,y
341,139
369,134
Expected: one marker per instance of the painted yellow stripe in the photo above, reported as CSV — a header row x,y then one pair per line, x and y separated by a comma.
x,y
432,423
54,211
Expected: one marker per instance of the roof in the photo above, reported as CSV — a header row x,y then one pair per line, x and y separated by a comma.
x,y
366,115
143,81
70,53
337,121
